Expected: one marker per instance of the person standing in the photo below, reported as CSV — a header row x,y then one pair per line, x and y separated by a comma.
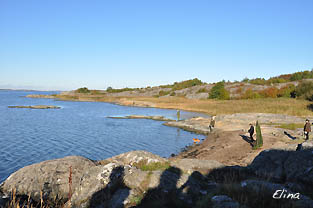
x,y
212,123
178,115
307,129
251,132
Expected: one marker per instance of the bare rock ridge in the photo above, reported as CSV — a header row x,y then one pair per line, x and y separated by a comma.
x,y
138,178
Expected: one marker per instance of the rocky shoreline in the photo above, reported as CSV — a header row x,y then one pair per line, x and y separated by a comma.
x,y
137,178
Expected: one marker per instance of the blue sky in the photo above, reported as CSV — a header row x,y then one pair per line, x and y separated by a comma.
x,y
66,44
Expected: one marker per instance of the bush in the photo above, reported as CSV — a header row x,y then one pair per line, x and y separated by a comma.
x,y
286,91
219,92
301,75
82,90
271,92
163,93
183,84
111,90
305,90
172,94
250,94
259,138
258,81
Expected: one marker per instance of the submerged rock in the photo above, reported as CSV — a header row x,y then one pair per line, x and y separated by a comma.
x,y
156,118
36,106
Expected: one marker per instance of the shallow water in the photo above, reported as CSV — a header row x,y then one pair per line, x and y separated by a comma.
x,y
80,128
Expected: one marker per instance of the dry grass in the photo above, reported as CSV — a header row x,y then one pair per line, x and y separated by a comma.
x,y
289,106
16,202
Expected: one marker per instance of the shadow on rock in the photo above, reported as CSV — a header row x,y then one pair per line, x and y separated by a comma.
x,y
247,139
290,136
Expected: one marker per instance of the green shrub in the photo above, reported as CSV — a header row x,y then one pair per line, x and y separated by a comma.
x,y
183,84
301,75
172,94
246,80
82,90
219,92
259,138
305,90
274,80
111,90
202,90
163,93
286,91
258,81
250,94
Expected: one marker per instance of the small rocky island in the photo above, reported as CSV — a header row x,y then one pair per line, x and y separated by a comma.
x,y
36,106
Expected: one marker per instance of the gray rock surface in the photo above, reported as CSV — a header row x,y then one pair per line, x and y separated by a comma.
x,y
190,165
198,125
51,177
97,184
135,157
283,165
270,188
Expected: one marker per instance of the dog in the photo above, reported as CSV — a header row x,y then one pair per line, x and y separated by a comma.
x,y
195,140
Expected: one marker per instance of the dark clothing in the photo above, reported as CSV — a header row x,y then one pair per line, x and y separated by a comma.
x,y
251,131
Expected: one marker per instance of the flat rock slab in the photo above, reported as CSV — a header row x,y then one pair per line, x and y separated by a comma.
x,y
198,125
156,118
36,106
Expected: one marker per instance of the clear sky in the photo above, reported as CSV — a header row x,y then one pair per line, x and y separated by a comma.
x,y
66,44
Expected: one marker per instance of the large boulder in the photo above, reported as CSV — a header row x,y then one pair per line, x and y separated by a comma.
x,y
97,185
270,164
281,166
277,192
49,177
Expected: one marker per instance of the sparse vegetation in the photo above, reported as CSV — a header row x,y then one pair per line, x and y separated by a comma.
x,y
183,84
143,165
289,126
202,90
111,90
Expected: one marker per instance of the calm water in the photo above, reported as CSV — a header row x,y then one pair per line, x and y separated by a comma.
x,y
79,128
